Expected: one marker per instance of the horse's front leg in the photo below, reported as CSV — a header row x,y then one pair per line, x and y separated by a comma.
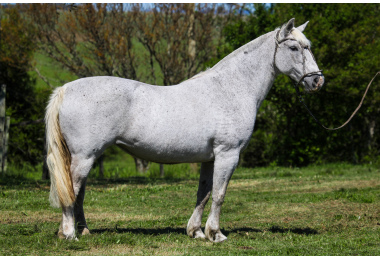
x,y
204,191
224,165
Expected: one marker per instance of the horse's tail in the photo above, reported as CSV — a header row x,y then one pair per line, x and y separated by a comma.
x,y
58,154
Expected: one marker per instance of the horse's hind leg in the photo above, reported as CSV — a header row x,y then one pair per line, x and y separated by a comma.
x,y
80,221
204,190
80,168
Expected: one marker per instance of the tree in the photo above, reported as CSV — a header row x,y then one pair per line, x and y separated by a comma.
x,y
345,41
106,39
93,40
90,40
179,37
24,103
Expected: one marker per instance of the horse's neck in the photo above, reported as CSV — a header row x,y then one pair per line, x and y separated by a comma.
x,y
249,70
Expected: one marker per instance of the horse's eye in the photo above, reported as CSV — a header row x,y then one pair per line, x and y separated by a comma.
x,y
293,48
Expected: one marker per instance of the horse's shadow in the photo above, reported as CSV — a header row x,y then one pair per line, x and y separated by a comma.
x,y
145,231
274,229
182,231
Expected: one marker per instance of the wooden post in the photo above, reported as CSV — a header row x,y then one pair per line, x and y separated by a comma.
x,y
162,173
5,143
2,125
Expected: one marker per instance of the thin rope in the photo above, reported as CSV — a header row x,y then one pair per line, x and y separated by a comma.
x,y
316,73
349,119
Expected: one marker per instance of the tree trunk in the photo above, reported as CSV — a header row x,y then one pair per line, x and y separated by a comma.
x,y
192,44
353,153
5,143
162,173
371,133
45,169
2,126
101,167
141,165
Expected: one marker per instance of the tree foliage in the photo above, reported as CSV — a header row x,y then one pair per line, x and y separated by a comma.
x,y
92,40
23,102
179,37
168,43
106,39
345,42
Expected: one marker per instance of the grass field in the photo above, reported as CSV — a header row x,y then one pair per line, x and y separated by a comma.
x,y
319,210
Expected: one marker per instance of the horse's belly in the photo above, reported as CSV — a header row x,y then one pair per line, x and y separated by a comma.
x,y
169,152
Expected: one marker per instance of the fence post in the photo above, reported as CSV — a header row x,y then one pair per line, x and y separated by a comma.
x,y
2,125
6,137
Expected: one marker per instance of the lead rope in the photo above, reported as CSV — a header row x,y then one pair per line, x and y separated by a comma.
x,y
316,73
316,120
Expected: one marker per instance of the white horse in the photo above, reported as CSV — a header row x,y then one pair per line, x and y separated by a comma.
x,y
207,119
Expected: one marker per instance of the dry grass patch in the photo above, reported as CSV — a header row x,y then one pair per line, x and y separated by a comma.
x,y
27,216
301,186
336,207
110,250
112,216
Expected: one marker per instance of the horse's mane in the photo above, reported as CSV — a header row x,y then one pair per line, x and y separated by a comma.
x,y
252,44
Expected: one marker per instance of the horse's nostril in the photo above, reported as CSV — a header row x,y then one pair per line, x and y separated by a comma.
x,y
316,79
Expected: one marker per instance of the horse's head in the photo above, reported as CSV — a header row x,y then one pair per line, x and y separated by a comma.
x,y
294,58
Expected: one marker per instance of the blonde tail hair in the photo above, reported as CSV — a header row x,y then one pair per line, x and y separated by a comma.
x,y
58,155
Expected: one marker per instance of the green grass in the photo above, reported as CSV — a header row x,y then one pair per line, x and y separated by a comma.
x,y
52,71
318,210
57,75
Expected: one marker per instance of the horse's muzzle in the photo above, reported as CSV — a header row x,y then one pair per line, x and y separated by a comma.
x,y
314,82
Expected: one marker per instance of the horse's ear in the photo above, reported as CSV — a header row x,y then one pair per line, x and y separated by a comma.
x,y
302,27
285,30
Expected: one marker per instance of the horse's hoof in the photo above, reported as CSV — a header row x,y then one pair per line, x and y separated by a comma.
x,y
85,232
196,233
61,235
219,237
216,237
199,234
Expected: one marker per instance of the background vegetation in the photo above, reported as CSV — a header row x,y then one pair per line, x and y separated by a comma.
x,y
330,206
167,43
